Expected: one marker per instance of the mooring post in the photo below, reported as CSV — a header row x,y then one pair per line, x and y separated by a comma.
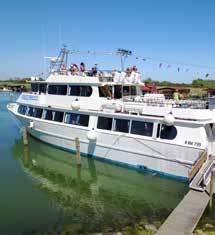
x,y
211,189
78,155
25,155
25,136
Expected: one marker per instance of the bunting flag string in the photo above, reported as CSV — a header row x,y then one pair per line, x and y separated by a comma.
x,y
162,64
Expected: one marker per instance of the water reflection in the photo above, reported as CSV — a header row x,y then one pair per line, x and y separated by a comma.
x,y
96,196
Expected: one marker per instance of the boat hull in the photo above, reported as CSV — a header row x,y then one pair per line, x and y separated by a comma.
x,y
161,158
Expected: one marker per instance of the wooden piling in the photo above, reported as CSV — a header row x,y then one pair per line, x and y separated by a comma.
x,y
25,136
78,155
211,191
25,155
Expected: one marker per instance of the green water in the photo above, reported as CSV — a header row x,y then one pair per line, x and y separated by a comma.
x,y
44,192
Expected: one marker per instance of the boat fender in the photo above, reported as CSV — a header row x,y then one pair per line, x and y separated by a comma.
x,y
31,125
169,119
75,104
92,135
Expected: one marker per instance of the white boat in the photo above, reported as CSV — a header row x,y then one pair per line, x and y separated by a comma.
x,y
114,123
5,89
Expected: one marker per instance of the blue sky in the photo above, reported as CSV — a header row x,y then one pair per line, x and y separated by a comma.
x,y
178,32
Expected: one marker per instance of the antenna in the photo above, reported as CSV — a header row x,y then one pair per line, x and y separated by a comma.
x,y
59,36
124,53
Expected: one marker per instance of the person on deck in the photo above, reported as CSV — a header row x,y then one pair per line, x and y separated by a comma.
x,y
74,68
82,67
94,70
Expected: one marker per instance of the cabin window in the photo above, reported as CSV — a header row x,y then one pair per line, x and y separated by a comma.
x,y
30,111
133,90
84,91
117,91
22,109
105,91
77,119
142,128
168,132
104,123
129,90
158,130
48,115
126,91
74,90
42,88
57,89
34,87
122,125
37,113
58,116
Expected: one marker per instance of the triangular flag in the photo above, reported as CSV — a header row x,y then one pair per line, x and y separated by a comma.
x,y
160,65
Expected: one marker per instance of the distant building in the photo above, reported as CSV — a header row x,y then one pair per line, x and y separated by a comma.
x,y
211,92
170,91
148,89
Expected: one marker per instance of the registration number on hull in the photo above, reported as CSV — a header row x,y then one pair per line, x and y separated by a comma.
x,y
192,143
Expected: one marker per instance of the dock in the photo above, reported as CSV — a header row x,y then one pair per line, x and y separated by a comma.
x,y
186,215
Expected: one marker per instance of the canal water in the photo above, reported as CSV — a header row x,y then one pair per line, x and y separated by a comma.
x,y
44,192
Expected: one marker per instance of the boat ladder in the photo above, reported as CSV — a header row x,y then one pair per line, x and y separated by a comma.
x,y
202,178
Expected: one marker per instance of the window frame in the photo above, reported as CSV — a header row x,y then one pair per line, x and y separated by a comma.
x,y
49,85
22,108
142,121
80,114
44,114
53,119
80,87
27,112
46,88
36,109
38,88
112,123
169,139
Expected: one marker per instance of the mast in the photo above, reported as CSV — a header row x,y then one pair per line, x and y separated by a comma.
x,y
61,61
